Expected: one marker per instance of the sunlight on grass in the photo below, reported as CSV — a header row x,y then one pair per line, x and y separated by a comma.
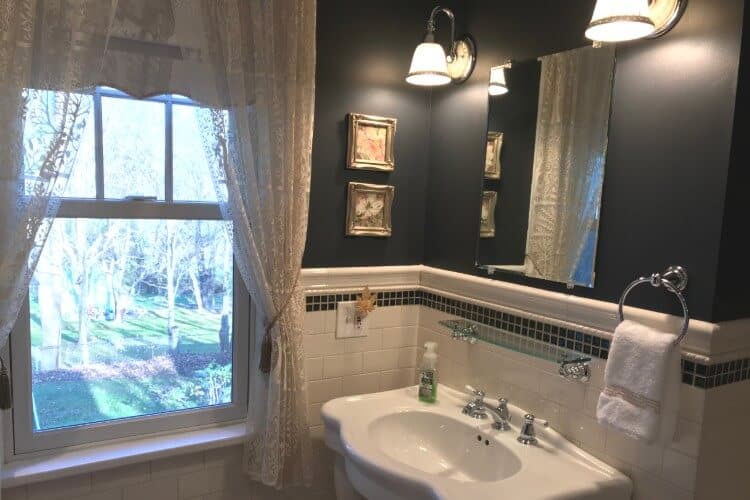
x,y
128,355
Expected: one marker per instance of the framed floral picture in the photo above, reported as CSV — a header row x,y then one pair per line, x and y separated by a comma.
x,y
492,155
487,221
370,144
369,209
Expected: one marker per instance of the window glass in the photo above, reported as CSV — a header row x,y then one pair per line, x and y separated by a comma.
x,y
133,141
130,317
192,177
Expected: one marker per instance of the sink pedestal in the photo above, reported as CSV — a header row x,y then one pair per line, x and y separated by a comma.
x,y
344,488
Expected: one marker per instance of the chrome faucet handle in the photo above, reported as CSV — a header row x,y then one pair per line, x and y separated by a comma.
x,y
528,435
502,405
503,415
475,407
477,393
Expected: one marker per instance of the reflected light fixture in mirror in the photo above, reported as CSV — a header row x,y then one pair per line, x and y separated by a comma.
x,y
430,67
624,20
498,84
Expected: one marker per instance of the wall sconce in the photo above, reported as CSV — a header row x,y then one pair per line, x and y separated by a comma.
x,y
623,20
430,67
498,84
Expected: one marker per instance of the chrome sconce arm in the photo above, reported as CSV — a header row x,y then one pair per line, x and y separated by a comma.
x,y
429,36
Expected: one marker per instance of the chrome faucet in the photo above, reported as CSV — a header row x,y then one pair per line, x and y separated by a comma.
x,y
528,435
478,408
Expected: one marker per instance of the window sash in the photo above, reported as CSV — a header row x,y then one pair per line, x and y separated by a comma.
x,y
169,101
90,208
26,441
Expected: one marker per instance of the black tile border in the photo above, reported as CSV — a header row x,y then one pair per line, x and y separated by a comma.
x,y
327,302
695,374
715,375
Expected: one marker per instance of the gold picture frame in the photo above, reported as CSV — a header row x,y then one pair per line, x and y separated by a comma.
x,y
487,216
368,209
370,142
492,153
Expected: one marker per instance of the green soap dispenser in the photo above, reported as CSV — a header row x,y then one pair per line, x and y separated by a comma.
x,y
428,374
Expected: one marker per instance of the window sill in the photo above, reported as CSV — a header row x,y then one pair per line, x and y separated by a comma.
x,y
118,453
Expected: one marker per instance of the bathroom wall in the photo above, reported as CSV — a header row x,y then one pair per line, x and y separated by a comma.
x,y
411,300
364,51
732,293
669,144
714,381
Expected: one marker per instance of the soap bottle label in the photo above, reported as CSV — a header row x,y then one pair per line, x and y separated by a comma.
x,y
427,385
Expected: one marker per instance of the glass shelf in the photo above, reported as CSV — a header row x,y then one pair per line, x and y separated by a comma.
x,y
467,329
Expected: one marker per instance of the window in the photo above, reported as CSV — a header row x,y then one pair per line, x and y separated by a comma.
x,y
128,327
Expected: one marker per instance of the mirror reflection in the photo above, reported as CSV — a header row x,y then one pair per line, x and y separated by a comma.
x,y
544,166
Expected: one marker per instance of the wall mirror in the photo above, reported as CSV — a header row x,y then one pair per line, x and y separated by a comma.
x,y
544,166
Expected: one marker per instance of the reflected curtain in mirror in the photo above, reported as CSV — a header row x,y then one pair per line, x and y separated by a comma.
x,y
569,157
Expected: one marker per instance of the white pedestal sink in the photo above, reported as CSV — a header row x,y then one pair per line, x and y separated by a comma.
x,y
392,446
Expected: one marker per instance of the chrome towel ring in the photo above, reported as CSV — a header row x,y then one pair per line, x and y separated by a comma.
x,y
674,279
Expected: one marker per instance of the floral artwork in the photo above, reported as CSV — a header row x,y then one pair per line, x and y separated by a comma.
x,y
492,155
371,142
487,220
369,210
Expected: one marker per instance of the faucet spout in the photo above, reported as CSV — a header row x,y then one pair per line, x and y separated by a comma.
x,y
500,415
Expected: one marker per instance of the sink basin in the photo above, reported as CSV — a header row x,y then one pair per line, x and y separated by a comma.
x,y
441,446
389,445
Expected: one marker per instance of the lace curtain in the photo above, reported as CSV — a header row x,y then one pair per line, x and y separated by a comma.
x,y
252,64
267,181
571,146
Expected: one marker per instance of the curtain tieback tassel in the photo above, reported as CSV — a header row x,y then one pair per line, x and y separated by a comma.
x,y
266,348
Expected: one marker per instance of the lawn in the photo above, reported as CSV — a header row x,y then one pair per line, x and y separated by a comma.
x,y
131,370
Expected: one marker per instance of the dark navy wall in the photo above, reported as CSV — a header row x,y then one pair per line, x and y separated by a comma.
x,y
669,144
363,53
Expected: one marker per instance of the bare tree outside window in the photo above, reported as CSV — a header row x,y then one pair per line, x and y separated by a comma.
x,y
131,316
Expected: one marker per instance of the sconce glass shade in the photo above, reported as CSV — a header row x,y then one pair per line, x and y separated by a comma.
x,y
498,85
620,20
429,67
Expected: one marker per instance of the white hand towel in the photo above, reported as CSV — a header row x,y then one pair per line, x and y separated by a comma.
x,y
641,383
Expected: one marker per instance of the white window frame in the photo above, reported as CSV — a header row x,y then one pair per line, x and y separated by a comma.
x,y
27,442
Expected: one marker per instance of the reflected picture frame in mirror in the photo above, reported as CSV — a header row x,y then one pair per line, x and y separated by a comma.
x,y
492,167
487,216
